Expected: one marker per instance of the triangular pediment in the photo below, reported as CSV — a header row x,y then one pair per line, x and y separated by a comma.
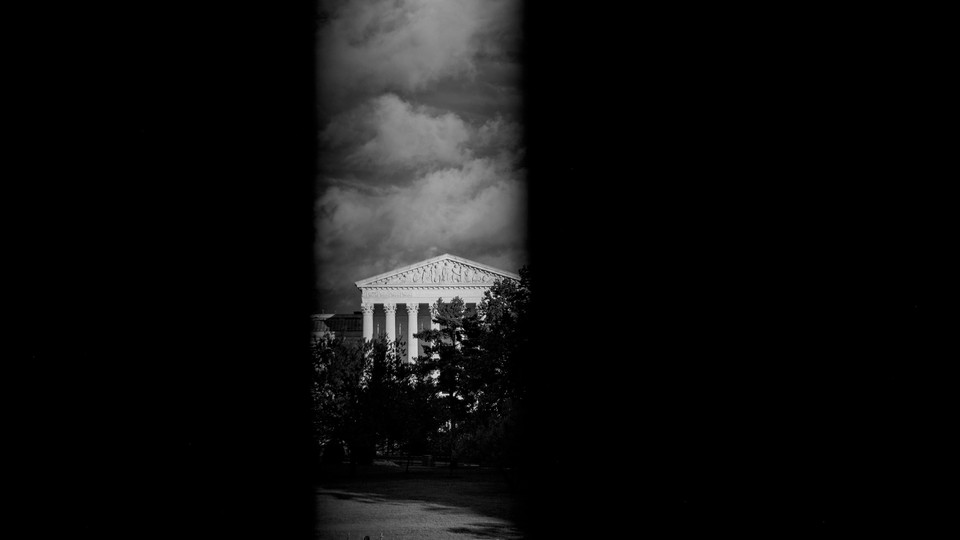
x,y
443,270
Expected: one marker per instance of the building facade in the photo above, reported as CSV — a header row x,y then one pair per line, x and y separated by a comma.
x,y
397,304
345,325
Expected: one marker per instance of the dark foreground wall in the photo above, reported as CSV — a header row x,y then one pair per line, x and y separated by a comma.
x,y
768,189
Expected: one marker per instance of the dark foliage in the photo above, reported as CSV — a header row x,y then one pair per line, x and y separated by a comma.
x,y
463,398
366,398
479,358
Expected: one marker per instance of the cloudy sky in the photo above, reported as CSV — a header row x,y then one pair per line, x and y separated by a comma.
x,y
421,151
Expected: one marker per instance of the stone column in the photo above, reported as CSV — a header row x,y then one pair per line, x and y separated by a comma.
x,y
434,326
391,324
367,321
412,310
433,313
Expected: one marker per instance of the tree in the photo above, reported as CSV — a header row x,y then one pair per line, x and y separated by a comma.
x,y
478,357
367,398
340,372
465,396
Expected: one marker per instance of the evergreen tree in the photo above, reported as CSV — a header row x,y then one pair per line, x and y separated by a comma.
x,y
478,357
465,397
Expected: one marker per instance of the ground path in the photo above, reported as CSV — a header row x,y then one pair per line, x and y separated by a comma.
x,y
426,507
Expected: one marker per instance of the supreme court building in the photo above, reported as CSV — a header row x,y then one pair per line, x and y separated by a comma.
x,y
396,304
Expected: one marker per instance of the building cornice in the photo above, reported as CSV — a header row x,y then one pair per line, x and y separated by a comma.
x,y
496,272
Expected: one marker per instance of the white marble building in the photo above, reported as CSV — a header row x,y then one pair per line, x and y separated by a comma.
x,y
397,303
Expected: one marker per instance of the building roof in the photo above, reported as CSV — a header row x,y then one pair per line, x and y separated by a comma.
x,y
440,258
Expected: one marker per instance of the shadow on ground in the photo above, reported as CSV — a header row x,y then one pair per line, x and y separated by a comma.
x,y
485,491
422,503
485,530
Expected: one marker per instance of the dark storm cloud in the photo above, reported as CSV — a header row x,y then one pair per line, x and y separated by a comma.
x,y
371,47
388,139
387,132
420,139
475,209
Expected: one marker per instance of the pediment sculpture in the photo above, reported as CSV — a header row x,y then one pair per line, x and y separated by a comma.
x,y
446,271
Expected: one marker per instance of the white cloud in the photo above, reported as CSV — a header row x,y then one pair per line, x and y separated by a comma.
x,y
416,156
476,210
481,202
387,134
403,45
497,135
